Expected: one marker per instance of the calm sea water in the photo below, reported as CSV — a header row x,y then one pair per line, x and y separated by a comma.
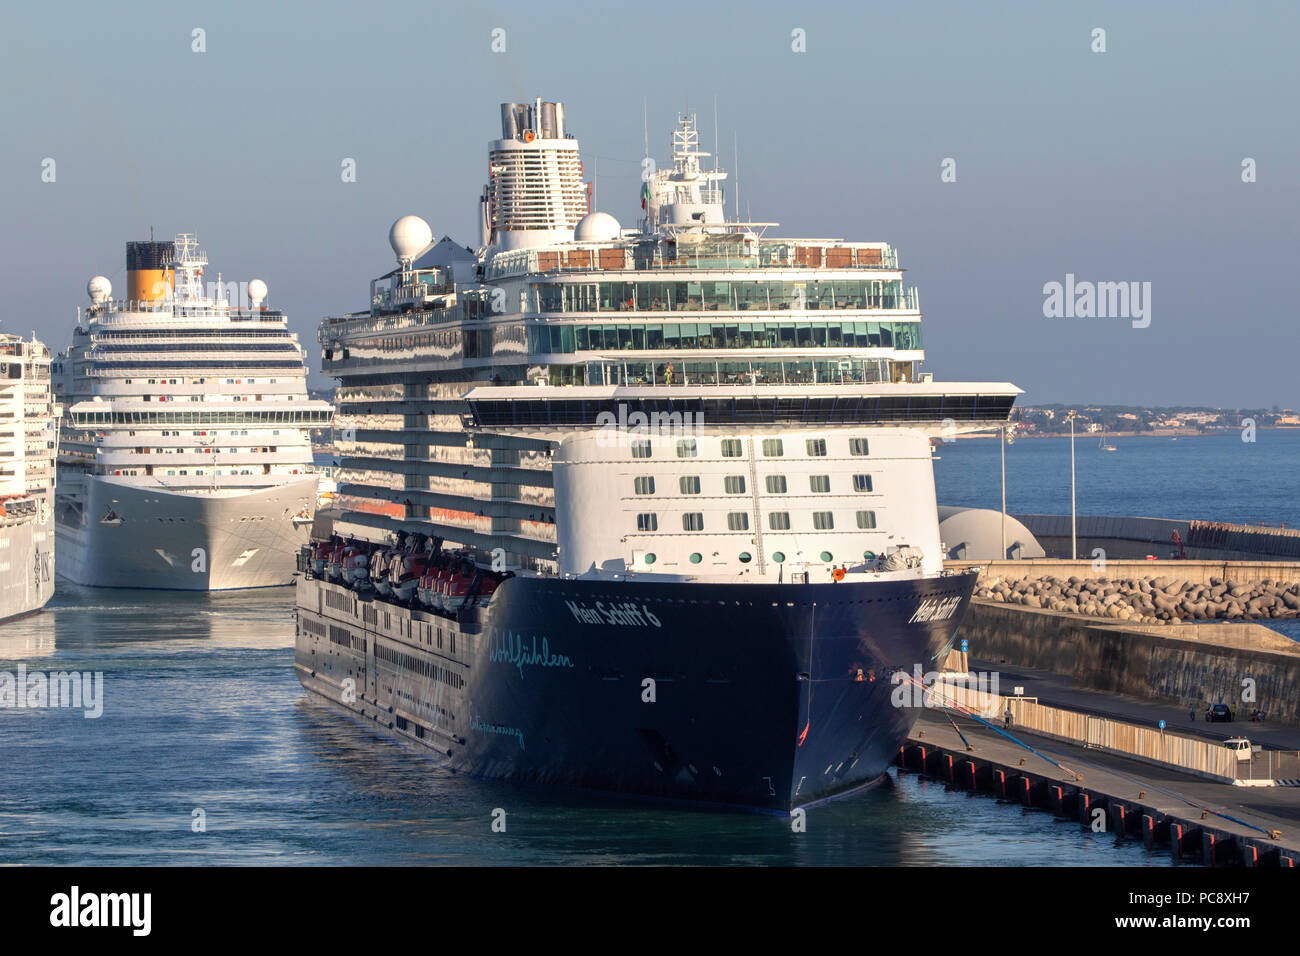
x,y
1214,478
202,711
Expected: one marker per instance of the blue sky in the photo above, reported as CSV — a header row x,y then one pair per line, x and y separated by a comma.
x,y
1115,166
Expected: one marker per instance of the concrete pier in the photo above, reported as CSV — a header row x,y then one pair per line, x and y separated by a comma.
x,y
1113,794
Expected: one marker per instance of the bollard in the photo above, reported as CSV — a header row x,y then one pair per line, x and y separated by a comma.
x,y
1116,817
1219,849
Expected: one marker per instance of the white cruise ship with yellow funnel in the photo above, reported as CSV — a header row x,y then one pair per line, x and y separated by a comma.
x,y
185,459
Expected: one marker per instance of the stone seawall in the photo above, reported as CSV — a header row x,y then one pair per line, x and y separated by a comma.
x,y
1138,662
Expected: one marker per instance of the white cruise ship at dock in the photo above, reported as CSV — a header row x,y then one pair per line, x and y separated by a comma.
x,y
643,510
28,435
185,459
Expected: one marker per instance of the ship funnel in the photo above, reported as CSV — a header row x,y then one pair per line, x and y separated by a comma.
x,y
148,270
535,190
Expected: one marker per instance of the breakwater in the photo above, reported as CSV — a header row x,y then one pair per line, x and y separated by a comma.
x,y
1147,598
1155,663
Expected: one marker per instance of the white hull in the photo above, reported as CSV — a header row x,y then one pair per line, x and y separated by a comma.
x,y
26,565
186,542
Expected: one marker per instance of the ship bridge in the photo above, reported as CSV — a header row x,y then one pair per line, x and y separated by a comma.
x,y
554,411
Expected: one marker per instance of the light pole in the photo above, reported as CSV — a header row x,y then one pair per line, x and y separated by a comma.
x,y
1074,519
1004,493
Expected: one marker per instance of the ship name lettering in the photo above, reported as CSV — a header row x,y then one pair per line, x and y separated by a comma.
x,y
624,614
935,610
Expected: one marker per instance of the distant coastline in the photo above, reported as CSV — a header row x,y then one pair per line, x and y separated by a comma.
x,y
1161,433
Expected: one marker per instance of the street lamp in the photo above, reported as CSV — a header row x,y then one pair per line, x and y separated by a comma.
x,y
1074,518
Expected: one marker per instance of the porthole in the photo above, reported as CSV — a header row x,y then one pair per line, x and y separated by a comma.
x,y
826,556
778,556
746,557
696,558
650,557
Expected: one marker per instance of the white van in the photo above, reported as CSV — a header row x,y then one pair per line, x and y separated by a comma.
x,y
1240,746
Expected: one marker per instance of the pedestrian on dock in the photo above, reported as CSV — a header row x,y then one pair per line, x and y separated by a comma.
x,y
1191,714
1007,716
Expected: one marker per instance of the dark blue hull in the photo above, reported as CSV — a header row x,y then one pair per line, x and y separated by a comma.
x,y
765,696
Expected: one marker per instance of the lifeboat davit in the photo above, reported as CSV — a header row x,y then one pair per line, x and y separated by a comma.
x,y
405,575
486,588
457,591
320,557
334,563
356,563
425,591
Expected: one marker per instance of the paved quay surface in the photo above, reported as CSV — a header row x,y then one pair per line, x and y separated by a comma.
x,y
1166,790
1058,690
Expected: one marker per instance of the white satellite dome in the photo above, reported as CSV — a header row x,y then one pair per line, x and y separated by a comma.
x,y
597,227
256,292
99,289
409,237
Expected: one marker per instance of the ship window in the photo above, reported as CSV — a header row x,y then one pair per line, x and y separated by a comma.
x,y
647,522
644,485
773,447
641,448
779,521
776,484
866,519
746,557
734,484
693,521
778,556
737,521
826,556
819,484
731,448
817,447
861,482
650,557
823,520
696,557
858,446
690,484
687,448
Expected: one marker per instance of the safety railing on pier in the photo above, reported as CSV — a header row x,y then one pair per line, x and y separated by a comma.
x,y
1205,757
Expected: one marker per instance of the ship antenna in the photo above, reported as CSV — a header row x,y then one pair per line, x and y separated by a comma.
x,y
715,132
735,150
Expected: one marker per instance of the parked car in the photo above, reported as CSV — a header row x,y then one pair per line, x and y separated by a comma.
x,y
1219,712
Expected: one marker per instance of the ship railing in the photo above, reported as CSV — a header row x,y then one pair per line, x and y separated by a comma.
x,y
162,311
728,251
